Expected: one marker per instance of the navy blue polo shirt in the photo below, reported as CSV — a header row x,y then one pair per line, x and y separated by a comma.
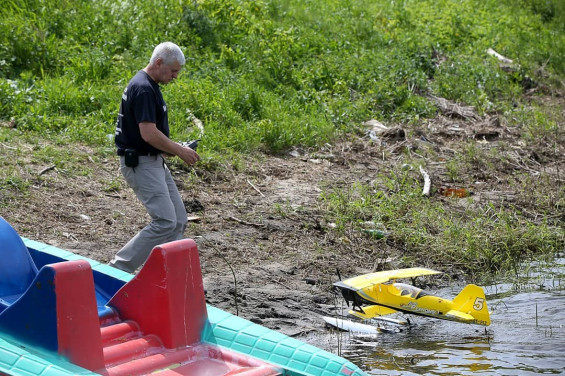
x,y
142,101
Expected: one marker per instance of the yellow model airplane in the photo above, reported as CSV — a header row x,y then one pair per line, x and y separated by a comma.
x,y
372,297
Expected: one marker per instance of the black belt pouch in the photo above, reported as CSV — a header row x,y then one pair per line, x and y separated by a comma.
x,y
131,157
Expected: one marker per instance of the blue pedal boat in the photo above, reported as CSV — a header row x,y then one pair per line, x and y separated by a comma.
x,y
63,314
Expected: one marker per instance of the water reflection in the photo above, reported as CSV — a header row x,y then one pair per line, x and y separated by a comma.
x,y
526,337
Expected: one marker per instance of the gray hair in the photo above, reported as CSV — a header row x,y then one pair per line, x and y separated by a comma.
x,y
169,53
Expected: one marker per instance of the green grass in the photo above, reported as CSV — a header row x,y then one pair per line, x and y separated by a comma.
x,y
272,73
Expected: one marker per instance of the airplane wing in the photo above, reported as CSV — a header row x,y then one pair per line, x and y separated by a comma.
x,y
350,326
367,280
370,312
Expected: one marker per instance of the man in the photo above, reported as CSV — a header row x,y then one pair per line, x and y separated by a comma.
x,y
142,139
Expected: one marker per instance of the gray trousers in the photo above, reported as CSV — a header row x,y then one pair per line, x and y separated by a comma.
x,y
153,185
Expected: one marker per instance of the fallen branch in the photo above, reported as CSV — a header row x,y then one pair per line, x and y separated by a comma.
x,y
46,169
427,182
453,109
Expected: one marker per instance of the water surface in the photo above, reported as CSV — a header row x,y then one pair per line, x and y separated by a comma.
x,y
526,335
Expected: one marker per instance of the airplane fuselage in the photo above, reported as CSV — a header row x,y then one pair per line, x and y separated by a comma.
x,y
412,300
377,294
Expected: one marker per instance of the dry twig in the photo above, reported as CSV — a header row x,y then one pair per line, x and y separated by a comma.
x,y
246,223
254,187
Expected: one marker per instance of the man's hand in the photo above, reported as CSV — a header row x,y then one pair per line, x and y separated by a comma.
x,y
154,137
188,155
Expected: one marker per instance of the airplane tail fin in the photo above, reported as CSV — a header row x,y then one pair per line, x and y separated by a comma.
x,y
471,300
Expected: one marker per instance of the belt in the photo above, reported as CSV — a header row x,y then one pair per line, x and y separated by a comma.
x,y
122,152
